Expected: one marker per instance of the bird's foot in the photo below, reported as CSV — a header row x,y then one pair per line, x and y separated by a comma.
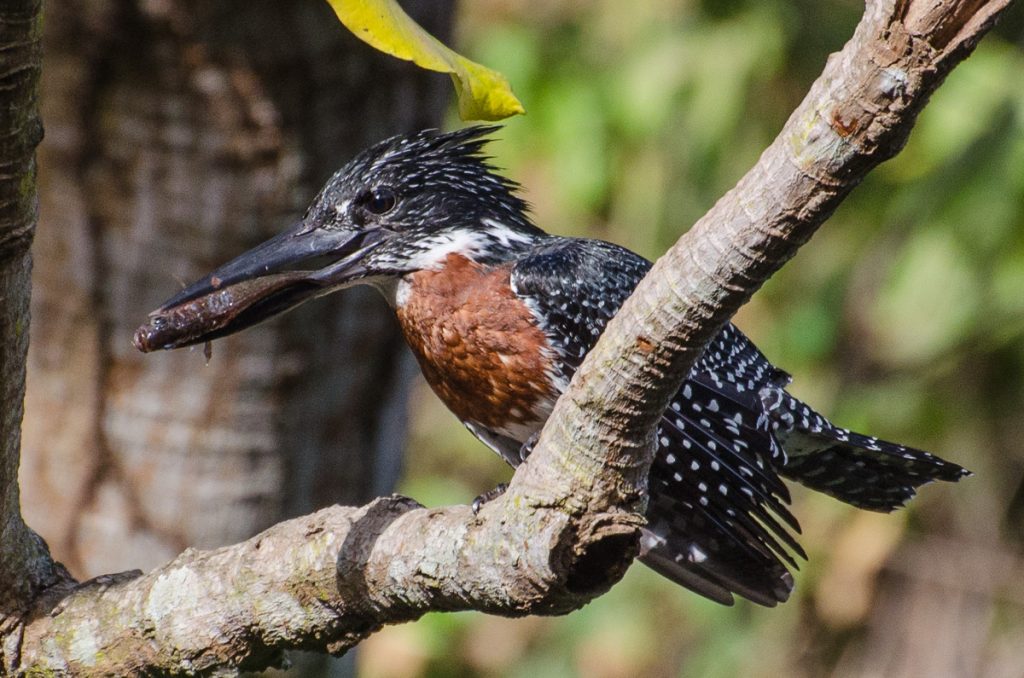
x,y
489,495
528,446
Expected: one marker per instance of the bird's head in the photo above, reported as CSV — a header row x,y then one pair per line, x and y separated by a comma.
x,y
400,206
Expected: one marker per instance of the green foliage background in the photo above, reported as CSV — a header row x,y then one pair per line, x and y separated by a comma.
x,y
904,317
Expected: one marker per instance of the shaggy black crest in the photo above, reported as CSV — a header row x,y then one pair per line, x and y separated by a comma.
x,y
438,179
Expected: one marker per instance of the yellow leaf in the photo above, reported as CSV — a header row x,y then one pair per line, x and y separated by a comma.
x,y
483,94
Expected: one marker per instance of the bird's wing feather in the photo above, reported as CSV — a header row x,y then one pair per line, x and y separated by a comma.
x,y
715,496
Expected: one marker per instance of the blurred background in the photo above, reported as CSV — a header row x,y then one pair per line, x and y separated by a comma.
x,y
179,132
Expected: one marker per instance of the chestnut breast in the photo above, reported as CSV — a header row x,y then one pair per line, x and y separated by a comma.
x,y
478,345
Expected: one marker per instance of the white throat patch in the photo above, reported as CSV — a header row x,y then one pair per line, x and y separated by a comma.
x,y
436,247
467,242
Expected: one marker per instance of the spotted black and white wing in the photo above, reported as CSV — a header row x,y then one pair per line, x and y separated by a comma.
x,y
717,516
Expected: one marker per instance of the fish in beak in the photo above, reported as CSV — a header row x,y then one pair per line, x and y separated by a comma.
x,y
299,264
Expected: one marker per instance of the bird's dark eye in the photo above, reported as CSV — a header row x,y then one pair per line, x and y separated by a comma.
x,y
380,200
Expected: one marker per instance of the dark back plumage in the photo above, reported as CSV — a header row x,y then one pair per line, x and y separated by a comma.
x,y
718,521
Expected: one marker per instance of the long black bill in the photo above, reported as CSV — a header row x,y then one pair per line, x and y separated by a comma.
x,y
263,282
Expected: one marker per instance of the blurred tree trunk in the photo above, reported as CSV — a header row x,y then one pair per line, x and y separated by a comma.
x,y
178,133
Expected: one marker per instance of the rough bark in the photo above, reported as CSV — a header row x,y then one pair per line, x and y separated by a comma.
x,y
566,528
25,565
386,562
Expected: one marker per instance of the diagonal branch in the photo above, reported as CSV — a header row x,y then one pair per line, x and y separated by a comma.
x,y
858,113
566,528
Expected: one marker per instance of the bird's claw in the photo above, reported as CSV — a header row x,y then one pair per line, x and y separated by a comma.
x,y
489,495
528,446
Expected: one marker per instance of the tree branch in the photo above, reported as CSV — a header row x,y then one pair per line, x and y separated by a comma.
x,y
567,527
326,580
